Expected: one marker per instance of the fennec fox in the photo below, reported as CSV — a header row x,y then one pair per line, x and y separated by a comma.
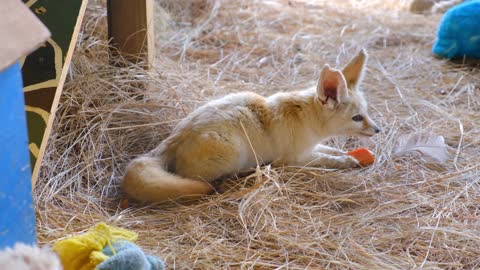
x,y
240,130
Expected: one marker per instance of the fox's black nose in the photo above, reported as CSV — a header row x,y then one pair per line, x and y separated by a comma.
x,y
377,129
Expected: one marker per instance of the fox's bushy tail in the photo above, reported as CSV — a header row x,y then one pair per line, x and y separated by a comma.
x,y
147,180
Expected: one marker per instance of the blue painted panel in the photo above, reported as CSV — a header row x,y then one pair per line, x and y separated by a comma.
x,y
17,218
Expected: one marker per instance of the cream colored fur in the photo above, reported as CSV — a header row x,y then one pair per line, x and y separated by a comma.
x,y
24,257
240,131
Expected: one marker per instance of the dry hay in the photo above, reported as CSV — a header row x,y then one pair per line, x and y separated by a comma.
x,y
403,212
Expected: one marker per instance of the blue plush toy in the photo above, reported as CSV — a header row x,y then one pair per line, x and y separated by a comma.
x,y
459,32
125,255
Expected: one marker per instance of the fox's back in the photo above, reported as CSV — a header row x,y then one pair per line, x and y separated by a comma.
x,y
244,110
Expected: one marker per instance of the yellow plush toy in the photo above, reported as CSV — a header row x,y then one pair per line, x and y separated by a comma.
x,y
84,252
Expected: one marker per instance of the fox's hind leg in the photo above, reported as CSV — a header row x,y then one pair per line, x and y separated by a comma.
x,y
208,156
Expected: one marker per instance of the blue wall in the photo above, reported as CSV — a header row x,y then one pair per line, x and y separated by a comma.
x,y
17,218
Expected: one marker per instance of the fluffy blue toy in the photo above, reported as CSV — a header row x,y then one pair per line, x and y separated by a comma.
x,y
128,256
459,32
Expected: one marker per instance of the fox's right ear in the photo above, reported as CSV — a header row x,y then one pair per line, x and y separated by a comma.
x,y
354,70
331,87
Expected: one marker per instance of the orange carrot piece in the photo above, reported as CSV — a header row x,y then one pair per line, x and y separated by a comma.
x,y
363,156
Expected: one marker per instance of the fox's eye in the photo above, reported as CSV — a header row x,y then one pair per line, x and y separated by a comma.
x,y
357,118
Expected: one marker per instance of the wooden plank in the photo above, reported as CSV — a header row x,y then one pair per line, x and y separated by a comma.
x,y
44,71
131,28
17,217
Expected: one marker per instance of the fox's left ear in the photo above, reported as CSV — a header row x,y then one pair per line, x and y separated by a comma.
x,y
354,70
331,87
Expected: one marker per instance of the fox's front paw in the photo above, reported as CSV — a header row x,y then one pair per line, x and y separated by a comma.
x,y
320,148
346,162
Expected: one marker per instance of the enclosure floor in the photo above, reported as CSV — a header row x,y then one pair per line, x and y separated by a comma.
x,y
406,211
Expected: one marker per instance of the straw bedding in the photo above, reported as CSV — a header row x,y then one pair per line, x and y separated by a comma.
x,y
403,212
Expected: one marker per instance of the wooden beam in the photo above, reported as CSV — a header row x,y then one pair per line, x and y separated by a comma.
x,y
131,28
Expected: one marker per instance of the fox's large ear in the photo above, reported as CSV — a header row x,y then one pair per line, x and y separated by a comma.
x,y
354,70
331,87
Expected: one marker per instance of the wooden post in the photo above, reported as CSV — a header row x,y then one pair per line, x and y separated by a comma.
x,y
131,28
